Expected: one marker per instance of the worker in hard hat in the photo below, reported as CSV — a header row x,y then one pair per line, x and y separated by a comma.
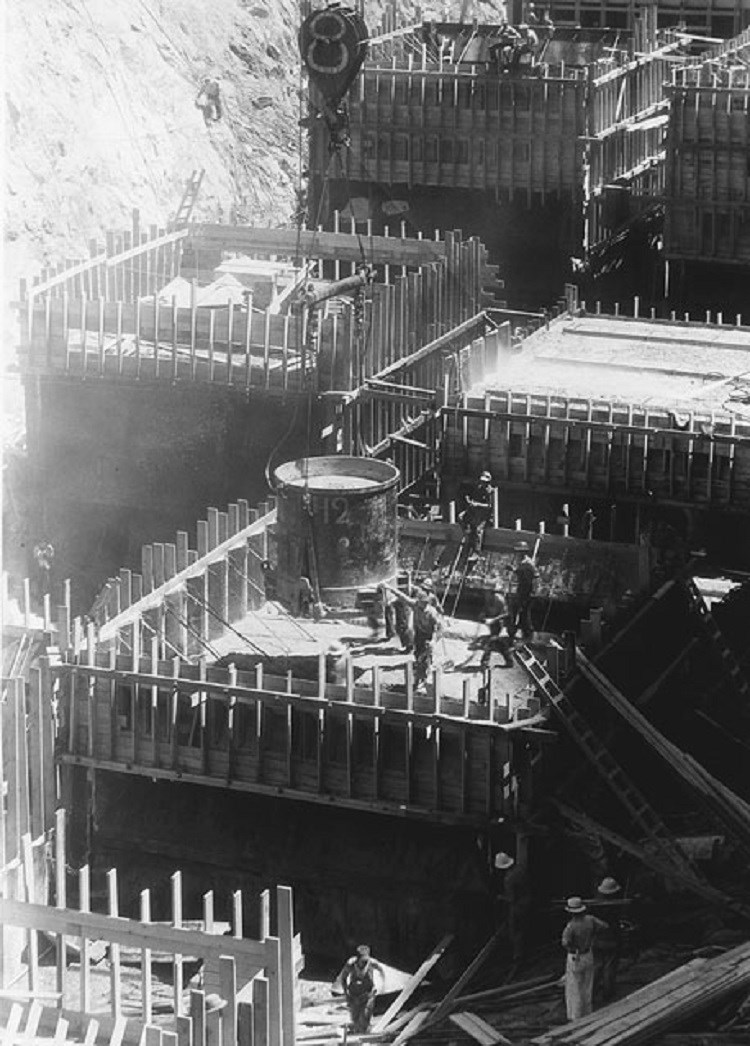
x,y
525,575
608,943
514,903
358,981
478,511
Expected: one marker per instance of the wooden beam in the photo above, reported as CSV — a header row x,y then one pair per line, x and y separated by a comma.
x,y
412,984
129,933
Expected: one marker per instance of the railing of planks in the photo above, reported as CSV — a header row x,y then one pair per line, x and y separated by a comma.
x,y
560,443
244,348
474,131
131,264
363,747
166,601
256,979
28,781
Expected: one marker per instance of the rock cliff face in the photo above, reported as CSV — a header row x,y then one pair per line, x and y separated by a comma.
x,y
101,115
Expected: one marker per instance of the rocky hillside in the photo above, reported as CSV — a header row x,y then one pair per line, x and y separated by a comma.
x,y
101,115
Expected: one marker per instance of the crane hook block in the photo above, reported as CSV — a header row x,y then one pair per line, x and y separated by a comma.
x,y
333,45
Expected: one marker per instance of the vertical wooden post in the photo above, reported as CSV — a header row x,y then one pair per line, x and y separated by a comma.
x,y
146,1001
198,1017
273,971
261,1020
285,929
208,911
60,902
115,987
176,882
84,905
245,1024
228,990
32,939
265,915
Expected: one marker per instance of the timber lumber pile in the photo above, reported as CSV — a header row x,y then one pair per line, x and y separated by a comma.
x,y
665,1004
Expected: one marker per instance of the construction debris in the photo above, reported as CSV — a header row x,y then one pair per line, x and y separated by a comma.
x,y
667,1003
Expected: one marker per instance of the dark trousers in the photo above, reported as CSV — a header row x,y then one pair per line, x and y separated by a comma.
x,y
423,651
605,973
360,1011
520,616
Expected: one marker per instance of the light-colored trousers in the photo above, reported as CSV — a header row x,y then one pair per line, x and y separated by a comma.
x,y
579,985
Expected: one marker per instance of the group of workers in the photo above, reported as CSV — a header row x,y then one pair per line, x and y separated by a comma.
x,y
517,49
416,618
592,944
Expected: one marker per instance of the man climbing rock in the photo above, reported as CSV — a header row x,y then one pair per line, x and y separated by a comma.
x,y
209,100
358,981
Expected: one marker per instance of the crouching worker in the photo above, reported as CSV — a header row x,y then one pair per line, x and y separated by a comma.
x,y
358,981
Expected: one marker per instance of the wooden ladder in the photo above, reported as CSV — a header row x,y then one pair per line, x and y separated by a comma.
x,y
729,662
189,196
639,809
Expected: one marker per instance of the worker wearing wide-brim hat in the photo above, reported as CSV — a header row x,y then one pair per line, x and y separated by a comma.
x,y
608,944
578,941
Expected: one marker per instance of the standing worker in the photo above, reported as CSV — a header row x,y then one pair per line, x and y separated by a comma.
x,y
478,512
358,981
525,576
498,641
427,627
44,554
578,941
516,899
608,943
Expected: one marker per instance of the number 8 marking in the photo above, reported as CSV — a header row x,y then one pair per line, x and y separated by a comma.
x,y
328,39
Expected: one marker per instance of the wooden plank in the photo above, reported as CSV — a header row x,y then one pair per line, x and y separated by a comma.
x,y
245,1026
60,900
479,959
32,945
412,984
198,1016
129,932
273,975
260,1017
176,890
285,929
115,985
411,1028
480,1030
228,991
84,903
